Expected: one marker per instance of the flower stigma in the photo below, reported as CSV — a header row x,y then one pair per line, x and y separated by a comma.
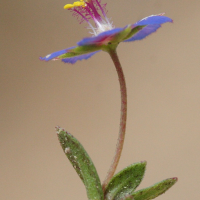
x,y
89,10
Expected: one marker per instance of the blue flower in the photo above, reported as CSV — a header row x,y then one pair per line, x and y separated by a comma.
x,y
104,35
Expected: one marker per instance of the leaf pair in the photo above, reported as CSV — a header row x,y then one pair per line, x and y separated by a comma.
x,y
121,187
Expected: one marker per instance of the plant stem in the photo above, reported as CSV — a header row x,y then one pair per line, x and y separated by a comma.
x,y
122,128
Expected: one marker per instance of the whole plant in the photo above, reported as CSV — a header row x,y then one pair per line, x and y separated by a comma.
x,y
105,37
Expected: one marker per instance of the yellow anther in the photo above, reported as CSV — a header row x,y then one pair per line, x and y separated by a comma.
x,y
68,6
78,3
75,4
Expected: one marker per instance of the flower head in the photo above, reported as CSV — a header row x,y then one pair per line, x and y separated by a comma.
x,y
104,35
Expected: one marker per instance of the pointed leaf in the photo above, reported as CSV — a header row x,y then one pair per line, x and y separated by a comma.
x,y
125,182
82,163
152,191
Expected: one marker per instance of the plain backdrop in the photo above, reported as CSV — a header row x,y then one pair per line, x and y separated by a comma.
x,y
163,83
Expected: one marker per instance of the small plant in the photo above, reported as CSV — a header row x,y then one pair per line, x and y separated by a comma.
x,y
105,37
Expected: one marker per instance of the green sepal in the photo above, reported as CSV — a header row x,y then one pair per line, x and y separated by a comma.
x,y
116,39
152,191
122,35
125,182
82,163
134,31
80,50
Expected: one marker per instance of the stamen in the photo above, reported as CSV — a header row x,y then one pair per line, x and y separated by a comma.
x,y
102,10
104,14
75,10
88,9
93,17
96,14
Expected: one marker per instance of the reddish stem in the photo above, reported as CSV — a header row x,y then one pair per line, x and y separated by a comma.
x,y
122,128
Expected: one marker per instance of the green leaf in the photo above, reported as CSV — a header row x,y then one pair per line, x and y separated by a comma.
x,y
82,163
152,191
125,182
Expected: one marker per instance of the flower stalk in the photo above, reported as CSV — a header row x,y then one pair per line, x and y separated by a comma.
x,y
122,128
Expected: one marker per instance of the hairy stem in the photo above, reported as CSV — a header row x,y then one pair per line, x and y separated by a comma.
x,y
122,128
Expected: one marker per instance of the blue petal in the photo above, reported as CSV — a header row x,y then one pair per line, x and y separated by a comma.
x,y
55,54
153,19
73,60
151,23
99,39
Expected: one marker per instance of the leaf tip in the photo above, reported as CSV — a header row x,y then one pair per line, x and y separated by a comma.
x,y
175,178
57,128
144,162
